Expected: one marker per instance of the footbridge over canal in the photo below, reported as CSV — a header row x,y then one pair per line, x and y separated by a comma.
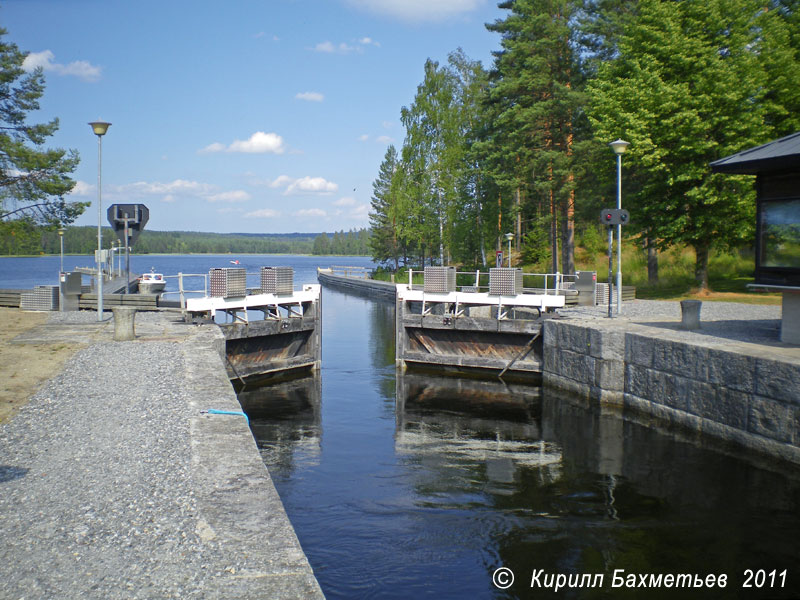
x,y
268,330
463,332
479,329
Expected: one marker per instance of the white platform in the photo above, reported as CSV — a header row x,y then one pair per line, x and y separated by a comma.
x,y
540,301
309,293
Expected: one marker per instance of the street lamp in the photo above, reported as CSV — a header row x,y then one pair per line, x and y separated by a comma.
x,y
99,128
619,147
510,238
61,231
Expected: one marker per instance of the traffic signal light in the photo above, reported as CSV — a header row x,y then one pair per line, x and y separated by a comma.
x,y
614,216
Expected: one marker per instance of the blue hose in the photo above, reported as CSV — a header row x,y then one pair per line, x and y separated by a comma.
x,y
238,413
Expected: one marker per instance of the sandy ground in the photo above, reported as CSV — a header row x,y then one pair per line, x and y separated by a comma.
x,y
24,367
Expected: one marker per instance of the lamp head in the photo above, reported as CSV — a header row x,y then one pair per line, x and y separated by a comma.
x,y
61,231
509,236
619,146
99,127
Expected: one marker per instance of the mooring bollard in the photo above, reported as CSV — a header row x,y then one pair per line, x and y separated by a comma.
x,y
690,314
123,323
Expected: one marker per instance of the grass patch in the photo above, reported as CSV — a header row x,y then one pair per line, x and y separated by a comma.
x,y
728,274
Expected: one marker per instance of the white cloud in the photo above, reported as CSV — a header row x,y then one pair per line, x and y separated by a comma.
x,y
360,212
317,185
310,96
363,138
419,10
304,185
81,69
311,212
232,196
83,189
258,143
328,47
215,147
181,187
263,213
281,181
384,139
346,201
169,192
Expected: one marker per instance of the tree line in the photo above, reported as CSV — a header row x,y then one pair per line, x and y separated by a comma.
x,y
20,237
522,147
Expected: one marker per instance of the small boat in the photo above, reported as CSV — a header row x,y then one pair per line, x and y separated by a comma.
x,y
152,283
235,262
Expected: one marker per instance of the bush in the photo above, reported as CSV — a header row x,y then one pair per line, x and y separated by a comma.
x,y
592,241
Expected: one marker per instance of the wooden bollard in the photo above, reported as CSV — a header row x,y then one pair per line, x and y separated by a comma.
x,y
124,330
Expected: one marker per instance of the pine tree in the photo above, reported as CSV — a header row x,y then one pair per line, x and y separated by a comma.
x,y
33,180
689,85
535,97
383,242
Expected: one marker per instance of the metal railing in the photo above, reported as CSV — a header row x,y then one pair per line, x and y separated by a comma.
x,y
359,272
182,291
552,283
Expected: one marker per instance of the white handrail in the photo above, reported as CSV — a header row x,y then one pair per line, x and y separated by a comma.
x,y
182,291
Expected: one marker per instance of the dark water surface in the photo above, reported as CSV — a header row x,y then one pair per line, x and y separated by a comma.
x,y
421,486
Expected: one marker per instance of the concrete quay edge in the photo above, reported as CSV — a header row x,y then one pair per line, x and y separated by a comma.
x,y
735,391
237,501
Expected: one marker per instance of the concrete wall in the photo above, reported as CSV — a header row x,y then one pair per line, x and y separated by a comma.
x,y
744,393
239,509
368,287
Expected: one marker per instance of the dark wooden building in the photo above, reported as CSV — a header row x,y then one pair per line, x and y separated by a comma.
x,y
776,166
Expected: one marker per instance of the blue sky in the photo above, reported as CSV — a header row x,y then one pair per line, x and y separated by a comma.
x,y
240,115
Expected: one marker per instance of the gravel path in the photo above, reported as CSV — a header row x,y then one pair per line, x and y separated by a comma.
x,y
96,478
103,493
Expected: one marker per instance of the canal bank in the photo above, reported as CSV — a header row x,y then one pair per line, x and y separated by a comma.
x,y
356,282
116,482
732,379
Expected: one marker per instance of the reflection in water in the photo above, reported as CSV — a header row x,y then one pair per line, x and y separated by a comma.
x,y
448,423
286,419
422,485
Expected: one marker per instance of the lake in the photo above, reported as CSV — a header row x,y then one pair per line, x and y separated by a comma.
x,y
25,273
419,486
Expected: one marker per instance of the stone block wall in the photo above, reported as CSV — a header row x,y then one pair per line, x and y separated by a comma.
x,y
752,399
588,361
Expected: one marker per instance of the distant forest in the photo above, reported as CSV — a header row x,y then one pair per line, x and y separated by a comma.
x,y
16,239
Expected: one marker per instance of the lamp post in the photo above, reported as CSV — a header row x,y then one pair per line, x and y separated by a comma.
x,y
510,238
619,146
61,231
99,128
